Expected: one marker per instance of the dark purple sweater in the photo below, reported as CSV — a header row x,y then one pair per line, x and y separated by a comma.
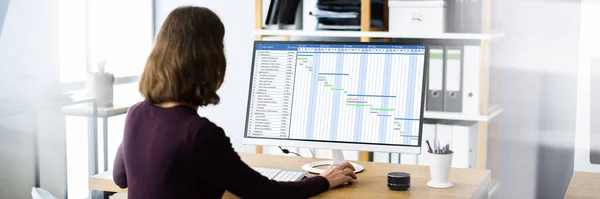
x,y
175,153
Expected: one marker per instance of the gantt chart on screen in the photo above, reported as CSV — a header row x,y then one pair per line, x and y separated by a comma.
x,y
343,93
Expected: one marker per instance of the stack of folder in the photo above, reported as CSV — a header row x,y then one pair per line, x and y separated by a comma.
x,y
345,14
453,81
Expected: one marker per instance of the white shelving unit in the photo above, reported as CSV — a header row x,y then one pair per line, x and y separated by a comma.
x,y
375,34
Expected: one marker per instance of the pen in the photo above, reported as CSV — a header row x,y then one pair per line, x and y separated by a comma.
x,y
428,146
443,149
435,144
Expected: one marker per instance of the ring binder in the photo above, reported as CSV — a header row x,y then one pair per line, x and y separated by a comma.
x,y
453,80
435,93
470,80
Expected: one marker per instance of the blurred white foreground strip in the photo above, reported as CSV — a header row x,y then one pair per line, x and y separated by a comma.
x,y
39,193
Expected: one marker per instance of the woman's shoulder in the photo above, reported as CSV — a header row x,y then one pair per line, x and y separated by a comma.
x,y
207,133
204,126
136,106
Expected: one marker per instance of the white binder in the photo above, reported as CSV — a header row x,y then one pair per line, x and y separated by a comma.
x,y
381,157
409,158
472,65
464,145
444,133
395,158
403,158
428,134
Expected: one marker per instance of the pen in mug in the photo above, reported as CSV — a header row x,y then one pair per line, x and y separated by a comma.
x,y
428,146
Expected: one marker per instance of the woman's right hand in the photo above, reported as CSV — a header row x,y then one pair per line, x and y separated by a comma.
x,y
338,174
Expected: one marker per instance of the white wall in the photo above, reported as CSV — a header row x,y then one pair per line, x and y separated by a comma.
x,y
238,18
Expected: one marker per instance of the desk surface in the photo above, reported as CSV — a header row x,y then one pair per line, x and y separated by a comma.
x,y
372,183
584,185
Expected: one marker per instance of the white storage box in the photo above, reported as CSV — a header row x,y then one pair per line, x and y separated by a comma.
x,y
416,17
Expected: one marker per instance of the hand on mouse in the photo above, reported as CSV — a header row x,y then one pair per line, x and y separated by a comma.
x,y
339,174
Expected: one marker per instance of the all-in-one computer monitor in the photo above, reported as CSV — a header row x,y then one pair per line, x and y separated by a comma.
x,y
339,96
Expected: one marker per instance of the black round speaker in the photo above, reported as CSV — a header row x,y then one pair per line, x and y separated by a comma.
x,y
398,181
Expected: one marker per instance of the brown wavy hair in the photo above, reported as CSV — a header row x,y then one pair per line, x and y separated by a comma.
x,y
187,64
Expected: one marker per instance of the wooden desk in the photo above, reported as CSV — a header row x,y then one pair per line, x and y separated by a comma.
x,y
584,185
372,183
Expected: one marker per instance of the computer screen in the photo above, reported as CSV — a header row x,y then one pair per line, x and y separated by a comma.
x,y
369,93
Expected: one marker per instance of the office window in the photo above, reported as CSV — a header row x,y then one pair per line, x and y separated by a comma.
x,y
72,40
119,32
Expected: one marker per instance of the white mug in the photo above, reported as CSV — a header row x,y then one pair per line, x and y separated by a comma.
x,y
439,168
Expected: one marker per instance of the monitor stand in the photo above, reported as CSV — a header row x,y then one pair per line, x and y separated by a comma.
x,y
338,158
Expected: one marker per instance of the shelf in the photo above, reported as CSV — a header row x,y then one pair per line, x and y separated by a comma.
x,y
460,116
377,34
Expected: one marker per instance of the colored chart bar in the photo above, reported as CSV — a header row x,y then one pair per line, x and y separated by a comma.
x,y
346,74
383,109
360,95
406,119
358,105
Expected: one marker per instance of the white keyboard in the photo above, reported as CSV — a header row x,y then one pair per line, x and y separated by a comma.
x,y
281,175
